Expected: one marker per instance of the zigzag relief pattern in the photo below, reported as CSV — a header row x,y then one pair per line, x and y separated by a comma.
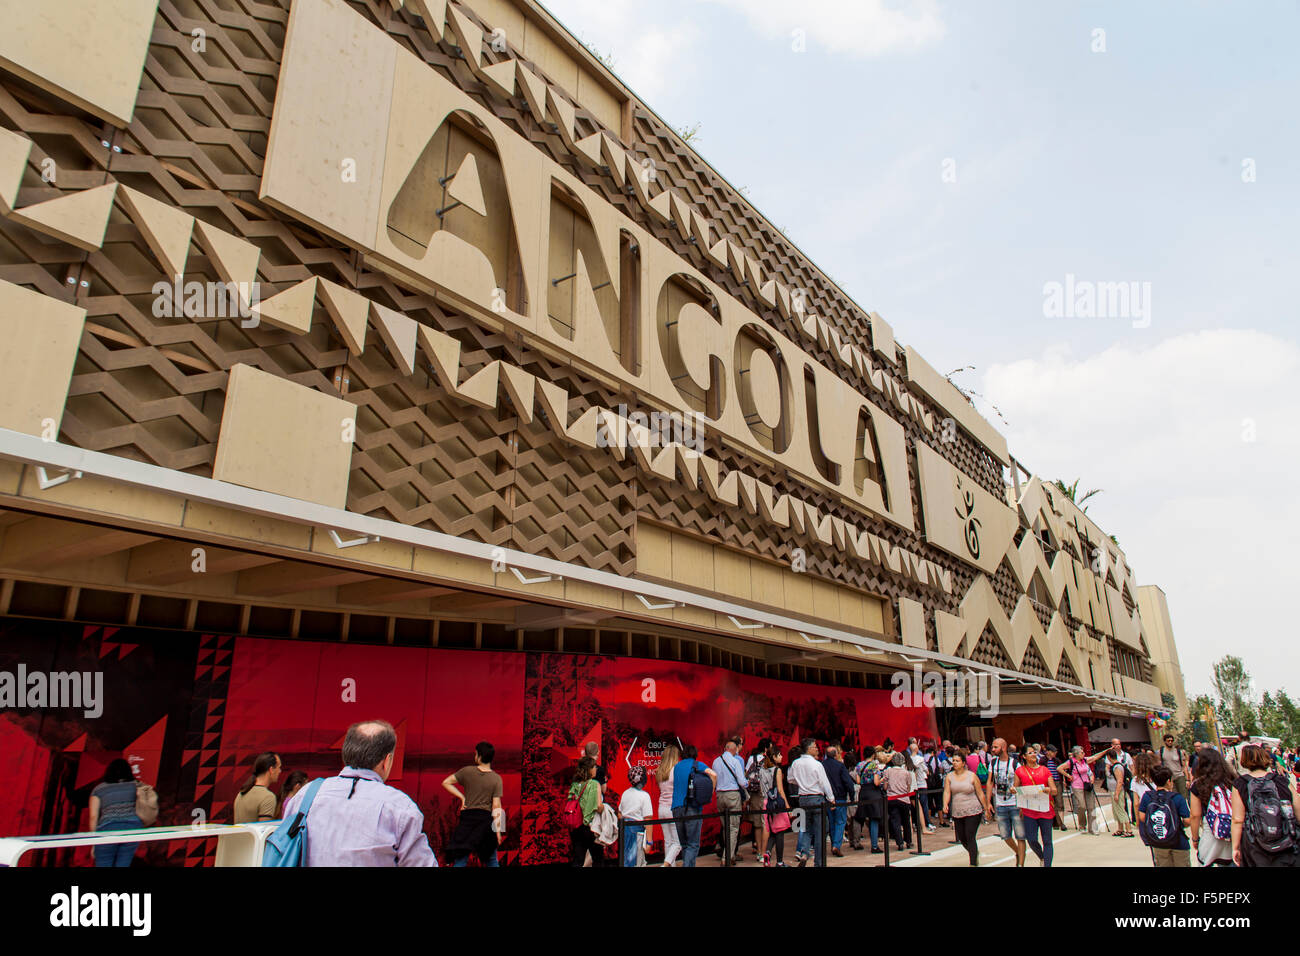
x,y
544,464
520,94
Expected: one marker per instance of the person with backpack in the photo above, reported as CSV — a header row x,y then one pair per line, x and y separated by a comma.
x,y
1000,794
354,818
580,806
757,795
1077,774
873,808
1172,756
1119,775
1161,814
693,784
1211,803
1264,812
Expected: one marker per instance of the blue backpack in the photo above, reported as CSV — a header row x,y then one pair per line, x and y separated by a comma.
x,y
286,846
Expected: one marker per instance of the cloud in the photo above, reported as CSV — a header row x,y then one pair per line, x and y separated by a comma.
x,y
651,52
1195,442
859,28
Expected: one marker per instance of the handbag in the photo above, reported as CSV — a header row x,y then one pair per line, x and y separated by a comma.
x,y
146,804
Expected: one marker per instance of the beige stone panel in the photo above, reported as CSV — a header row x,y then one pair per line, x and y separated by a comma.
x,y
390,554
537,587
11,473
766,583
798,593
825,600
324,116
88,52
108,497
731,574
350,312
41,336
166,229
214,519
78,219
882,339
290,310
500,78
234,259
599,101
873,612
551,59
285,438
454,567
852,609
693,563
452,264
14,150
1122,623
699,617
951,631
503,15
945,394
951,501
593,595
911,617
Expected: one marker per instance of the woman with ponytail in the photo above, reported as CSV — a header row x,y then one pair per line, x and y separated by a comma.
x,y
255,800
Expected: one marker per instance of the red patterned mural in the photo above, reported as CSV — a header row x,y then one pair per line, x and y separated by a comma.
x,y
192,711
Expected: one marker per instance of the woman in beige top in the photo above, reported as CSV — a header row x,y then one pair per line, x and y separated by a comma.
x,y
965,802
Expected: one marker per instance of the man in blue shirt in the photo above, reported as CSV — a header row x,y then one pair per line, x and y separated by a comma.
x,y
1163,856
729,771
841,788
688,831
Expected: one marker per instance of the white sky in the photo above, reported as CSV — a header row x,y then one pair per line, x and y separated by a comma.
x,y
1115,166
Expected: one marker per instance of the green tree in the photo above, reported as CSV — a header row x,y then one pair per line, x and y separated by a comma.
x,y
1071,491
1232,685
1180,727
1279,717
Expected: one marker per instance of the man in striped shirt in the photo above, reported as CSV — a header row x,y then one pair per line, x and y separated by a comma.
x,y
1051,762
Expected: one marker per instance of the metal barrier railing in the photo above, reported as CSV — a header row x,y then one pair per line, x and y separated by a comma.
x,y
237,844
885,834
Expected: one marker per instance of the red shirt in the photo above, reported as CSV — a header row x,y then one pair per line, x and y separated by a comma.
x,y
1027,778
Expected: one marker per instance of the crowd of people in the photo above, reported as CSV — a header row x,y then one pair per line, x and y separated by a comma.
x,y
1232,806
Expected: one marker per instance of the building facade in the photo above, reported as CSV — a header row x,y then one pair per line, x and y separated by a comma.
x,y
397,342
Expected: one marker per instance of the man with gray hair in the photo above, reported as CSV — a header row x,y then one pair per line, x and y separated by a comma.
x,y
356,819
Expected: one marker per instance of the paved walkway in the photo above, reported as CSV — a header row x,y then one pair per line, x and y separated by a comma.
x,y
1070,848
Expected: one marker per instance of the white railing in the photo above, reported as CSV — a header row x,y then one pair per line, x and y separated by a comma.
x,y
237,845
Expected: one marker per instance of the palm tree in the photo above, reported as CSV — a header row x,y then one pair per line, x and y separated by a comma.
x,y
1071,491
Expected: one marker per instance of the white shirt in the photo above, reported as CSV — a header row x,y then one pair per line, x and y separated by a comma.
x,y
635,805
809,776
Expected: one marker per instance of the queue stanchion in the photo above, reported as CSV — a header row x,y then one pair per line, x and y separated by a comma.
x,y
823,837
622,836
916,826
725,836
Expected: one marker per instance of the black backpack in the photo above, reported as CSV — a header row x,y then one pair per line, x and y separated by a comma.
x,y
699,788
1162,828
1270,820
